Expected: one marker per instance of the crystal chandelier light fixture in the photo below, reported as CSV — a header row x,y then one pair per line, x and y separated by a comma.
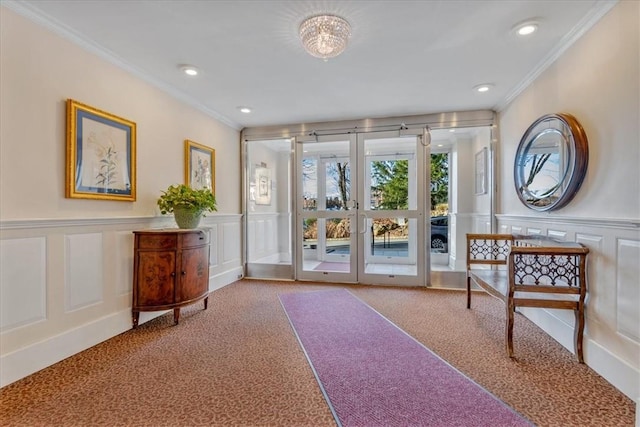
x,y
325,36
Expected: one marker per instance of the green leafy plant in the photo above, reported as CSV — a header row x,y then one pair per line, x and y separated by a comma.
x,y
184,196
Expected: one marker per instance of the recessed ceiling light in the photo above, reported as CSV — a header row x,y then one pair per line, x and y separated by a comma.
x,y
245,110
526,28
189,70
485,87
452,130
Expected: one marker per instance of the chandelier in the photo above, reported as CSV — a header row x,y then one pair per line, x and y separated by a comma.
x,y
325,36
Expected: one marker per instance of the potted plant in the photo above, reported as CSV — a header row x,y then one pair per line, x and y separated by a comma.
x,y
187,204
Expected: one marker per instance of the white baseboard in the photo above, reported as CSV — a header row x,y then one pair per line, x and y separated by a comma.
x,y
223,279
30,359
619,373
37,356
613,369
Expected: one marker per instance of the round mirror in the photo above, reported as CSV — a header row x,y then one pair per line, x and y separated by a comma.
x,y
551,162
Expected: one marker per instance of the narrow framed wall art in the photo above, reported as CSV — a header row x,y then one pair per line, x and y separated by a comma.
x,y
199,166
100,155
481,172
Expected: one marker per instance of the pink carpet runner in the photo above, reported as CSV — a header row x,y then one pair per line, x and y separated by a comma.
x,y
374,374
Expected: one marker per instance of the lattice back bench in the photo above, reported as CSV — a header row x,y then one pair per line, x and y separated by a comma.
x,y
529,271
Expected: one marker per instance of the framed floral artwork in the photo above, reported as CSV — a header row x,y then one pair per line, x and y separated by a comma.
x,y
199,166
101,154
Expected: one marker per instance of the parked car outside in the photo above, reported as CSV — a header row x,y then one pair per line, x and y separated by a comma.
x,y
439,233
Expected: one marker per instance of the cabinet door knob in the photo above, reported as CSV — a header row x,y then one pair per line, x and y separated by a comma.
x,y
183,273
173,274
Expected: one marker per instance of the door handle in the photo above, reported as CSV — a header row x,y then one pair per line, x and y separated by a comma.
x,y
352,224
364,223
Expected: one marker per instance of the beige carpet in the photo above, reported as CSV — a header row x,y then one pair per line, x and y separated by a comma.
x,y
239,364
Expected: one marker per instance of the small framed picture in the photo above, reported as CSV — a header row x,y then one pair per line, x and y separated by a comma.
x,y
101,154
199,166
481,172
263,186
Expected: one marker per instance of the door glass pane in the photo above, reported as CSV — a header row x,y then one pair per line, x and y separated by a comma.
x,y
331,253
389,187
337,184
268,201
440,203
338,235
309,183
389,237
456,208
310,243
390,247
390,174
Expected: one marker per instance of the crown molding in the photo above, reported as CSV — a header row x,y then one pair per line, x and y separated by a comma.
x,y
39,17
601,8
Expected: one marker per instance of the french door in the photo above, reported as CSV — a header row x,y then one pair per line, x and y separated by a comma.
x,y
361,208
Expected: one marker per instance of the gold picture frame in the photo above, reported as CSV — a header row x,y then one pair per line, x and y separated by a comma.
x,y
100,155
199,166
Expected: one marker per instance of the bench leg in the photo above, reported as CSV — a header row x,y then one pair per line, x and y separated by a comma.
x,y
579,332
468,291
509,327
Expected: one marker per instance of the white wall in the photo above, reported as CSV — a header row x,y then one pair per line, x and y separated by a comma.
x,y
39,71
66,264
598,81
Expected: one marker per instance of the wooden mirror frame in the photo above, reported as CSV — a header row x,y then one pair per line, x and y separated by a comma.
x,y
551,180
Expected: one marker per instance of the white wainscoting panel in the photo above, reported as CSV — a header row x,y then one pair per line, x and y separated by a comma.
x,y
612,333
23,297
214,259
65,283
557,234
83,281
263,236
124,264
533,231
232,242
628,285
251,238
260,237
600,298
284,232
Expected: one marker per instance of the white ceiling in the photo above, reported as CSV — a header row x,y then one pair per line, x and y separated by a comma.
x,y
404,57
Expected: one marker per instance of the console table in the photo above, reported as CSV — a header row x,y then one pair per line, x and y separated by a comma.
x,y
170,270
529,271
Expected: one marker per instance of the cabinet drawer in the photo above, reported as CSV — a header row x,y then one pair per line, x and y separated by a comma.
x,y
198,238
157,241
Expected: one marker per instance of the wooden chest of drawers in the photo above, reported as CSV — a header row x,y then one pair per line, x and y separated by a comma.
x,y
170,270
